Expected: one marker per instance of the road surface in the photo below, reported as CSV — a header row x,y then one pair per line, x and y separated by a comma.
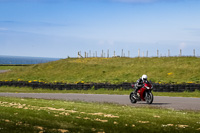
x,y
177,103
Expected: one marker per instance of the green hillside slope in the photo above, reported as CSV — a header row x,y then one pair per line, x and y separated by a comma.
x,y
112,70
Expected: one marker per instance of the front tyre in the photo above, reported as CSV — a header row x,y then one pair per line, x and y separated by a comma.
x,y
132,98
149,97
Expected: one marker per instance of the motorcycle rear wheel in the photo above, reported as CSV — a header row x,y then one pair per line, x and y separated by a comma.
x,y
132,99
149,98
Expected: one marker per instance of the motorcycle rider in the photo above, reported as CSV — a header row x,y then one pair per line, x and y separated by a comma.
x,y
140,82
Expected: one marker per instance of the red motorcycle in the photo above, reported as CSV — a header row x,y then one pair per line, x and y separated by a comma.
x,y
143,94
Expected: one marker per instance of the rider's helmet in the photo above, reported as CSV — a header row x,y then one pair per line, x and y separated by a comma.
x,y
144,77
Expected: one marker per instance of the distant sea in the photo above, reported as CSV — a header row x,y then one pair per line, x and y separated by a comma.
x,y
25,60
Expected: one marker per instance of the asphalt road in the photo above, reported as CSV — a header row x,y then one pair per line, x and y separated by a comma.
x,y
177,103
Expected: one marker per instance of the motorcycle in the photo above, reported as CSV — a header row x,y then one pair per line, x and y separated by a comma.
x,y
143,94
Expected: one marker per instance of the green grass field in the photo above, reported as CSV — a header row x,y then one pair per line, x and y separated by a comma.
x,y
10,67
38,115
112,70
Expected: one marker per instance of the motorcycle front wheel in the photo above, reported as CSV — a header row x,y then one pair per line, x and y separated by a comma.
x,y
149,98
133,100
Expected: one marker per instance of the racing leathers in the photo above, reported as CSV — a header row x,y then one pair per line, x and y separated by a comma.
x,y
138,85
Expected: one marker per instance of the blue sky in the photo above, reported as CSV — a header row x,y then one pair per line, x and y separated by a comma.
x,y
61,28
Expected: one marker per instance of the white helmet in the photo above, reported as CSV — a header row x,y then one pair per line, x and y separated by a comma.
x,y
144,77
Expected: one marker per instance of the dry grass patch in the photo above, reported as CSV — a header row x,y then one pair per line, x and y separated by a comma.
x,y
61,116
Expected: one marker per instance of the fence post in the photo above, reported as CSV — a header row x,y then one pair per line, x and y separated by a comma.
x,y
180,52
157,53
122,53
138,52
79,55
168,53
90,53
108,53
194,52
102,54
147,53
128,53
85,55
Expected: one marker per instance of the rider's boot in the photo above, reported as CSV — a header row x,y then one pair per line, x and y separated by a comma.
x,y
135,94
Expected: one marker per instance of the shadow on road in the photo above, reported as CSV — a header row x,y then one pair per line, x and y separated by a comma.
x,y
156,103
160,103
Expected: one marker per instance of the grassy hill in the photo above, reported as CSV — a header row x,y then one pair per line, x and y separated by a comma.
x,y
112,70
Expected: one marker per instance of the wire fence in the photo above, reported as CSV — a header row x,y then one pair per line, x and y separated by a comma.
x,y
108,54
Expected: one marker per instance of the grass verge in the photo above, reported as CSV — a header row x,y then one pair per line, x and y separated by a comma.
x,y
39,115
10,67
195,94
112,70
